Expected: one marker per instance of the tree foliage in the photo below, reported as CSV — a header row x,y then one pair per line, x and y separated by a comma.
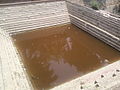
x,y
94,4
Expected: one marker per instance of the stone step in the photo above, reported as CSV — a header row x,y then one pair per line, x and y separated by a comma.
x,y
18,18
108,28
96,33
32,24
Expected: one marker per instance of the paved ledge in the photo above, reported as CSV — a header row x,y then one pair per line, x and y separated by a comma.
x,y
106,78
12,73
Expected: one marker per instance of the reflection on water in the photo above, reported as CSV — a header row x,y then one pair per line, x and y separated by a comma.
x,y
68,45
59,54
59,67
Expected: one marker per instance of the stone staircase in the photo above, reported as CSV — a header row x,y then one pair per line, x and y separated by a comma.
x,y
19,18
97,23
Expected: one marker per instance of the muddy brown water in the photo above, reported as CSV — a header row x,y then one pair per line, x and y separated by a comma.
x,y
55,55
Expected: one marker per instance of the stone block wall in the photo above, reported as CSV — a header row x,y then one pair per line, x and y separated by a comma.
x,y
23,17
80,2
101,25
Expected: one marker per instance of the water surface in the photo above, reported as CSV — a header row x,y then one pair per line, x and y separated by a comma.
x,y
59,54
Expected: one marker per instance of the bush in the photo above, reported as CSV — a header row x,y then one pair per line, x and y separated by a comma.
x,y
95,4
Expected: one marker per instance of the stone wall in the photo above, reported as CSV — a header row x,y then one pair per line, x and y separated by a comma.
x,y
12,72
17,18
113,6
81,2
99,24
22,17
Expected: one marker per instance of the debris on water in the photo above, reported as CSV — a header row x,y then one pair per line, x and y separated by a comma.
x,y
106,61
68,27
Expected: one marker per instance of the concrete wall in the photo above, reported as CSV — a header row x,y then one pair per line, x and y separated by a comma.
x,y
99,24
21,17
